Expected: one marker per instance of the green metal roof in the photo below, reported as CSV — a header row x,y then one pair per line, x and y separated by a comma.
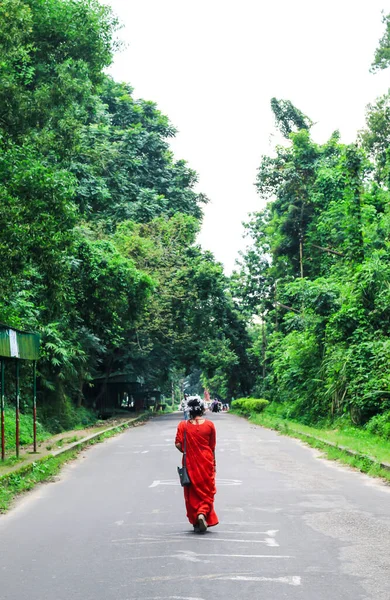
x,y
18,344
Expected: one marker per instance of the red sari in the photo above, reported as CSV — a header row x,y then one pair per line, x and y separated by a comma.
x,y
199,495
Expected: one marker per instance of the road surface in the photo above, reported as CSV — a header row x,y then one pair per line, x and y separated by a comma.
x,y
113,527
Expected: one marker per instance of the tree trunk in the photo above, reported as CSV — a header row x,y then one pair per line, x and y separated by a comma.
x,y
264,345
354,165
276,306
301,255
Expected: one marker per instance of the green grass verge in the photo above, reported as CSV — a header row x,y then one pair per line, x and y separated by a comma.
x,y
77,418
46,468
360,462
371,450
25,479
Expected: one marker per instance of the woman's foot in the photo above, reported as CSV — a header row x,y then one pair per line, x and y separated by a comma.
x,y
201,523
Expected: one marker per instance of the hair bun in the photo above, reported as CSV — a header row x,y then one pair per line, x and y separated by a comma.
x,y
195,407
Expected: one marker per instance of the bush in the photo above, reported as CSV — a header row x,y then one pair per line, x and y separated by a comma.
x,y
380,425
64,416
247,406
238,404
25,429
256,405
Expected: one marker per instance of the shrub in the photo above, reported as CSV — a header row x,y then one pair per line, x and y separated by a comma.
x,y
380,425
64,416
256,405
247,406
25,429
238,404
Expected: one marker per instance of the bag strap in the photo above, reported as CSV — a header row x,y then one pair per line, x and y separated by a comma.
x,y
185,445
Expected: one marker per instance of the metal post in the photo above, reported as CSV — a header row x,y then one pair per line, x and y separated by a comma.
x,y
17,408
35,403
2,407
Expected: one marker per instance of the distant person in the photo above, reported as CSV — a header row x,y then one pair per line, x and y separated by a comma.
x,y
185,408
201,466
215,407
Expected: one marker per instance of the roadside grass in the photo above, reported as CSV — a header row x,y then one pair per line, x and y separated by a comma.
x,y
81,419
24,480
11,461
354,438
370,449
361,462
47,468
64,441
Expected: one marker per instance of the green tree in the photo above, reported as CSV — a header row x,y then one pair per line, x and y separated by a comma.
x,y
382,53
124,166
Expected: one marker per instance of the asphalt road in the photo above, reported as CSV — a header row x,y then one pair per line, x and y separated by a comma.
x,y
113,527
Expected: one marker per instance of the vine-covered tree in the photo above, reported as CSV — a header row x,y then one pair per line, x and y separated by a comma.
x,y
98,219
322,306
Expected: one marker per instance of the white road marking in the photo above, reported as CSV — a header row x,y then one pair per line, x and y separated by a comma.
x,y
270,533
159,511
241,523
294,580
271,510
119,522
127,452
176,482
175,598
270,542
229,482
185,554
291,580
249,555
159,445
170,598
157,482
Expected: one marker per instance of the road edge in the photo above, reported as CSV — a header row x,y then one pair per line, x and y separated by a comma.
x,y
362,462
43,469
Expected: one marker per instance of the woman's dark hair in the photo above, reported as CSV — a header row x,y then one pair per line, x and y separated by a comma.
x,y
195,407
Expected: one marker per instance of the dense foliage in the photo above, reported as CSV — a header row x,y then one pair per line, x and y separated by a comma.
x,y
316,274
98,227
98,220
247,406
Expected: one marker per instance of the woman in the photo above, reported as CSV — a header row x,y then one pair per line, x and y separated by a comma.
x,y
201,466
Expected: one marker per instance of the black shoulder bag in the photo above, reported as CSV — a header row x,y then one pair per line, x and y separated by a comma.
x,y
183,473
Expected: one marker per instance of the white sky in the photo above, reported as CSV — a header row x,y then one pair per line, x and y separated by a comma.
x,y
213,65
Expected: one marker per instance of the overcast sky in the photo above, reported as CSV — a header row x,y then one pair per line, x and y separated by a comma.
x,y
213,65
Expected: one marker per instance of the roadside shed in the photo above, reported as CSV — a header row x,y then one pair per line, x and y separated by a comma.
x,y
17,345
121,392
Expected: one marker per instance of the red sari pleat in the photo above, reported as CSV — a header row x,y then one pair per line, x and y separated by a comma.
x,y
199,496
